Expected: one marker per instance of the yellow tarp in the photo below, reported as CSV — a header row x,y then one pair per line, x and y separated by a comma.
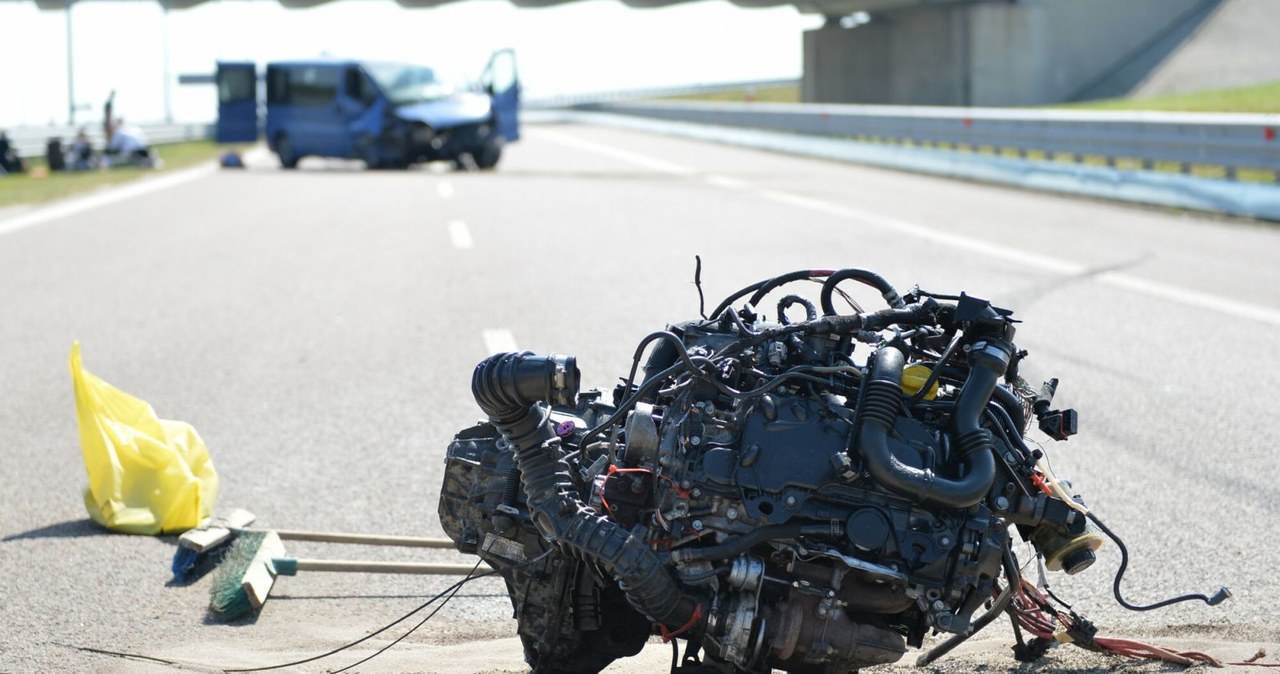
x,y
146,475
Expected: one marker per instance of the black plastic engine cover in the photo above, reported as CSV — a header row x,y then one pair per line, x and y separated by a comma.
x,y
793,449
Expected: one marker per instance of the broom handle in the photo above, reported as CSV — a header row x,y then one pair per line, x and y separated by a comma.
x,y
341,565
362,539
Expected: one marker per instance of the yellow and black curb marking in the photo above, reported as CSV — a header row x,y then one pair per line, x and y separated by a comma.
x,y
1198,169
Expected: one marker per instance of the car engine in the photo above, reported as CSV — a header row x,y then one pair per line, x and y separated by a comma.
x,y
782,487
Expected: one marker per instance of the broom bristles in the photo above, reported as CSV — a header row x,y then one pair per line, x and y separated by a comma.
x,y
227,598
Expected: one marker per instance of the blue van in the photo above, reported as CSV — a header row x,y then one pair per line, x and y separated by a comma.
x,y
391,115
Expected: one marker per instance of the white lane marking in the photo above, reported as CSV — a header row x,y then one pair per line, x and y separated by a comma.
x,y
1181,295
659,165
1186,296
1194,298
75,205
727,182
987,248
445,189
459,234
498,340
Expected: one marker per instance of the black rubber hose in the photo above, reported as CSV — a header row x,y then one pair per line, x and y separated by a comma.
x,y
887,291
880,408
763,287
1013,405
810,311
740,544
509,388
663,356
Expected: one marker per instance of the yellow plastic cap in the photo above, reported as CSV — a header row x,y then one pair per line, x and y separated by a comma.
x,y
914,377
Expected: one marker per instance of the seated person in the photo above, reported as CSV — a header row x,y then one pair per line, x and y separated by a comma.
x,y
82,152
10,162
129,144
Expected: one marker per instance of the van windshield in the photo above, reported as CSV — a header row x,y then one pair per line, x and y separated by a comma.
x,y
410,84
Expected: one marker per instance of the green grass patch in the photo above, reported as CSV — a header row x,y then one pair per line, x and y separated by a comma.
x,y
1254,98
29,189
784,94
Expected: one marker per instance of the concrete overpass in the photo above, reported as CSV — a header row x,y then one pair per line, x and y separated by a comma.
x,y
955,52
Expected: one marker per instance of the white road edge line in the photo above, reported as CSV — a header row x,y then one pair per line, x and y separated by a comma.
x,y
460,235
445,189
498,340
1185,296
75,205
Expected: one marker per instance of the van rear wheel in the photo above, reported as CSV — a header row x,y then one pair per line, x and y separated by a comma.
x,y
284,150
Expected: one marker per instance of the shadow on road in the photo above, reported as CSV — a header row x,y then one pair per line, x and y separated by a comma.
x,y
71,529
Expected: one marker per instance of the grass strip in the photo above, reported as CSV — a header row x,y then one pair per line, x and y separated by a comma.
x,y
34,188
1255,98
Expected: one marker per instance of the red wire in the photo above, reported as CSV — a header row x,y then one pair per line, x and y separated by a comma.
x,y
1029,610
693,620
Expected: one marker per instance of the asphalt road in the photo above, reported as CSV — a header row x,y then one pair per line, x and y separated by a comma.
x,y
319,328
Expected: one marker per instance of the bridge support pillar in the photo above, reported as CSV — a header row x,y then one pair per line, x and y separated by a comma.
x,y
1031,52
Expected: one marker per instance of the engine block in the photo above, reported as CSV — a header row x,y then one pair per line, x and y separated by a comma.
x,y
813,496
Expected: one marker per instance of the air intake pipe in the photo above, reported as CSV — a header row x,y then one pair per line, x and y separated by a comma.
x,y
512,388
880,408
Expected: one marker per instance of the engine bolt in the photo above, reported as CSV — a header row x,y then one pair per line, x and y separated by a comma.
x,y
1002,503
791,501
697,525
731,513
945,541
697,493
695,440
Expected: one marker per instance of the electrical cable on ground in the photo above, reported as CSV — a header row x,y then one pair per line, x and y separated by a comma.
x,y
451,591
402,637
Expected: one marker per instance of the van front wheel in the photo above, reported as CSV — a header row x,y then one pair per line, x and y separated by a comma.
x,y
488,154
284,150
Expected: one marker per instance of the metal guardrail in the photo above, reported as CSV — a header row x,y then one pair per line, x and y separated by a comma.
x,y
31,141
1231,147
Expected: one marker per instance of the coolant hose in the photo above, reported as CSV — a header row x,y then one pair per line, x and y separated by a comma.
x,y
510,388
880,407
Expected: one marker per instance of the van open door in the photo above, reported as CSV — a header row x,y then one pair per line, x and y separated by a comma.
x,y
237,102
503,85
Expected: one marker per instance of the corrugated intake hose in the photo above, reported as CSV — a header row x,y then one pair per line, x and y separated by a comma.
x,y
508,387
880,409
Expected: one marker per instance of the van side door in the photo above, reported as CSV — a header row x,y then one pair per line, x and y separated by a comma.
x,y
316,121
237,102
502,83
364,108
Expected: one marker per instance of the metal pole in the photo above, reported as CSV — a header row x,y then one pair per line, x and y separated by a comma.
x,y
71,77
168,94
